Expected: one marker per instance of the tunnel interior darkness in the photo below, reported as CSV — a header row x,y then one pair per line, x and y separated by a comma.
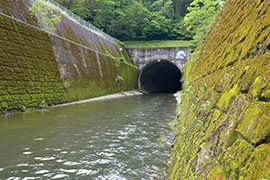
x,y
160,77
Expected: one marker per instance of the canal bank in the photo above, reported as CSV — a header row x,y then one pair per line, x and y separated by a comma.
x,y
106,97
223,129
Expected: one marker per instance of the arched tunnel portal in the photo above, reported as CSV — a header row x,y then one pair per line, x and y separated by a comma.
x,y
160,76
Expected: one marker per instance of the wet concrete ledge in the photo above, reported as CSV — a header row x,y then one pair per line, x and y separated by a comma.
x,y
110,96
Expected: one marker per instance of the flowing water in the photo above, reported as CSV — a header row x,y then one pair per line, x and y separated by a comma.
x,y
108,139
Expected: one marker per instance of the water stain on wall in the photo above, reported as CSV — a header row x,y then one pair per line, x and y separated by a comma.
x,y
60,66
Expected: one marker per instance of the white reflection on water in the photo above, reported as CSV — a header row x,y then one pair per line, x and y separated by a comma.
x,y
61,176
84,172
68,170
42,172
27,153
69,163
22,164
44,158
112,140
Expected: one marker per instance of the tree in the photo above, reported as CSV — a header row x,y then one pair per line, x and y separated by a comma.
x,y
180,7
67,3
134,19
200,18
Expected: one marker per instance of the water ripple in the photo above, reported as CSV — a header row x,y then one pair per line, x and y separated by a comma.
x,y
112,140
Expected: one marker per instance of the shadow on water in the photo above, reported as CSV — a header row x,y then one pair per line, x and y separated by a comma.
x,y
108,139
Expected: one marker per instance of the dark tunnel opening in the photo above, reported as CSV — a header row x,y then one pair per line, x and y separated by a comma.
x,y
160,77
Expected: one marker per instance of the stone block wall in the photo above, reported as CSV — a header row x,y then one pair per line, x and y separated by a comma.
x,y
16,9
88,63
39,68
223,129
29,75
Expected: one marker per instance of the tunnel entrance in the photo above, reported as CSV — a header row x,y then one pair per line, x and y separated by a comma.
x,y
160,76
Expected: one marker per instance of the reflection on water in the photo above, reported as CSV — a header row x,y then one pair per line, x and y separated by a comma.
x,y
112,139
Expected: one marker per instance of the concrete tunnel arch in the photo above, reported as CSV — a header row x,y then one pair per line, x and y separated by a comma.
x,y
160,76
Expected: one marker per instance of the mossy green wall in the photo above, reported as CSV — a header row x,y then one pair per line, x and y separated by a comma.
x,y
29,74
223,129
88,63
72,63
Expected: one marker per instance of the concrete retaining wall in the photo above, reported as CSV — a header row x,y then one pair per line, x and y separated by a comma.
x,y
142,56
72,63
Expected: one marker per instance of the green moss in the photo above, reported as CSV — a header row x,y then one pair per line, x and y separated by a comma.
x,y
28,54
24,67
234,63
227,98
254,125
257,166
216,173
256,88
4,105
235,158
91,91
232,137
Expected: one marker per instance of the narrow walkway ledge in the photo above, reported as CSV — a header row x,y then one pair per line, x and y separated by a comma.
x,y
111,96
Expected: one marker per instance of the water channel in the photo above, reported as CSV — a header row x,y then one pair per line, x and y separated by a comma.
x,y
108,139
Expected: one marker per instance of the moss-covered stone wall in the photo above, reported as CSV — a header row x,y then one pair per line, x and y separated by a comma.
x,y
41,68
223,129
16,9
89,64
29,75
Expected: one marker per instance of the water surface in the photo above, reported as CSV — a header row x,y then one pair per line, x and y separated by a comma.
x,y
109,139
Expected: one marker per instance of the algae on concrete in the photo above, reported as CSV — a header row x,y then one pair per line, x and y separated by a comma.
x,y
38,68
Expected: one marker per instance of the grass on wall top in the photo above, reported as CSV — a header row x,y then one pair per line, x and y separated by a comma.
x,y
155,44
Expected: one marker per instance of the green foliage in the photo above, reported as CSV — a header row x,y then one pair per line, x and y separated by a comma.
x,y
136,59
161,141
220,108
207,106
142,91
120,78
192,107
67,3
173,123
43,104
24,108
204,87
82,11
48,16
134,20
155,44
192,174
200,18
121,43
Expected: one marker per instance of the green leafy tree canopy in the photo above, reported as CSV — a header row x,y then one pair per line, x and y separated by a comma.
x,y
200,18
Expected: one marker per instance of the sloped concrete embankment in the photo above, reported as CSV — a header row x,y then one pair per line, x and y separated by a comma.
x,y
223,129
73,63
